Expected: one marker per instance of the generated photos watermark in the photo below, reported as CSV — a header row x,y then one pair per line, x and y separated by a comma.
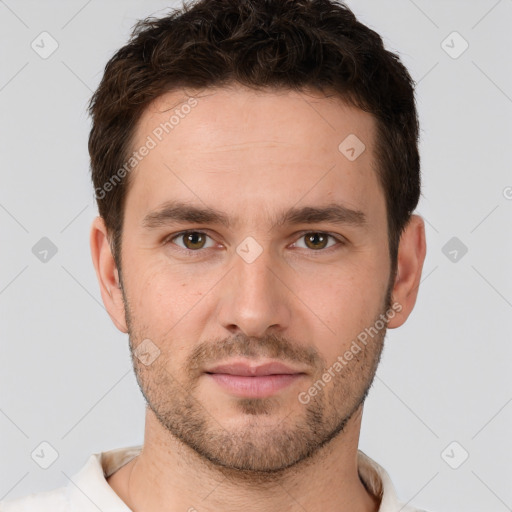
x,y
157,135
361,339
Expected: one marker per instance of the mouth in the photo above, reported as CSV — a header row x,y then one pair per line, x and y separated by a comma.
x,y
242,379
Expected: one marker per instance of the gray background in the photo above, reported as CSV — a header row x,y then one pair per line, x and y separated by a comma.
x,y
65,373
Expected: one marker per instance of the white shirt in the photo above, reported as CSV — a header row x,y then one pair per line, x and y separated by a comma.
x,y
89,490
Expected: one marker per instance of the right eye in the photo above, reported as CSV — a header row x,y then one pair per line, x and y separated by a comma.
x,y
191,240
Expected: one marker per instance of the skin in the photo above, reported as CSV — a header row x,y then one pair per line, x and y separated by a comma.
x,y
253,155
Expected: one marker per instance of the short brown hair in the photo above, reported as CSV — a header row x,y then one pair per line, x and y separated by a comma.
x,y
288,44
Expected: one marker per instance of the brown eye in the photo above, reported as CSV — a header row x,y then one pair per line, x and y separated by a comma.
x,y
192,240
316,240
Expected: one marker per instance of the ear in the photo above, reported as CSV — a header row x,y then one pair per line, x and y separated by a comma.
x,y
107,274
411,255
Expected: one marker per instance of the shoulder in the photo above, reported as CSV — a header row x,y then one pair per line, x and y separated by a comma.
x,y
46,501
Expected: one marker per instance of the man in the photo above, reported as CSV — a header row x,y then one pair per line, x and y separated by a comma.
x,y
256,168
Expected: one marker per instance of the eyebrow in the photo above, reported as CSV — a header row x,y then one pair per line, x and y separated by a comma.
x,y
179,212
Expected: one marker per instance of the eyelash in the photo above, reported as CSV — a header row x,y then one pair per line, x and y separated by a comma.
x,y
191,252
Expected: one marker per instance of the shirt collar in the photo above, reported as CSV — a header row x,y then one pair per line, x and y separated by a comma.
x,y
89,491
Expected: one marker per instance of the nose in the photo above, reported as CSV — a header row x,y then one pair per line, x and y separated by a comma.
x,y
254,297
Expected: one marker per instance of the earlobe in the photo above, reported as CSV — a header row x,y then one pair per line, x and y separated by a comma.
x,y
107,274
411,256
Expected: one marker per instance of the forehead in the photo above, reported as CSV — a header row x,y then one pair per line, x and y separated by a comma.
x,y
243,146
281,115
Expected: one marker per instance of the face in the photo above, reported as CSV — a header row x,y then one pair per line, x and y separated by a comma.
x,y
251,239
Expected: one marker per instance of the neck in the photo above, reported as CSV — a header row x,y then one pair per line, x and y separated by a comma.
x,y
167,475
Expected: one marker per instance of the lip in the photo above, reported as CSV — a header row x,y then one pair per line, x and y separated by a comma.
x,y
245,369
242,379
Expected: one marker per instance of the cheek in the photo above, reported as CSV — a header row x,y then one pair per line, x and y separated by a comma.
x,y
346,301
159,289
166,305
349,287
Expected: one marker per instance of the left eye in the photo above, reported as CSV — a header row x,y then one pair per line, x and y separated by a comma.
x,y
317,240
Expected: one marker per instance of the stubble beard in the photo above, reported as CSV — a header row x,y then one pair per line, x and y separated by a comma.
x,y
255,448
